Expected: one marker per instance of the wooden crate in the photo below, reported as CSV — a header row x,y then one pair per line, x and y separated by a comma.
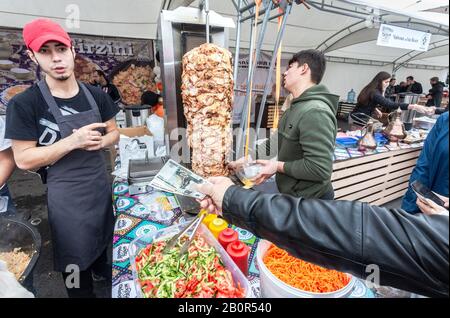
x,y
374,179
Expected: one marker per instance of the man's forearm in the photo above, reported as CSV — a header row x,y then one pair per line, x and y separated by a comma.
x,y
34,158
348,236
7,165
111,138
311,169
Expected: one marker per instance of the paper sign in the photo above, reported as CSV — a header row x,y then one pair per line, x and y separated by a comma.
x,y
403,38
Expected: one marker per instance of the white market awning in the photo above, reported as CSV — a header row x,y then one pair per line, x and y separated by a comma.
x,y
341,28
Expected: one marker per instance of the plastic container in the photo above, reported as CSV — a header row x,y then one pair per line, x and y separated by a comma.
x,y
155,125
216,226
272,287
238,252
351,96
380,139
165,234
228,236
209,218
347,142
246,172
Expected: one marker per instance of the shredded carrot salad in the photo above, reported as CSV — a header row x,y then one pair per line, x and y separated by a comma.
x,y
301,274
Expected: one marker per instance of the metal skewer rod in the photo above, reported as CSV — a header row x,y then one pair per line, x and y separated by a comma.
x,y
207,20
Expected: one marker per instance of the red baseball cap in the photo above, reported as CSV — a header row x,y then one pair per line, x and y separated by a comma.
x,y
40,31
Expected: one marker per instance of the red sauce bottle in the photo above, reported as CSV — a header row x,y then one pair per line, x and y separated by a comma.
x,y
228,236
239,253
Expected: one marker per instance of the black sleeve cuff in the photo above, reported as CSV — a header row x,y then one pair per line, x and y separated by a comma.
x,y
230,205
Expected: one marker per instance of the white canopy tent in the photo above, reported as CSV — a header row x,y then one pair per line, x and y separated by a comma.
x,y
346,30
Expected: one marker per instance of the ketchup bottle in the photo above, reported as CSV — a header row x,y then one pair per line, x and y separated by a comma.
x,y
238,251
228,236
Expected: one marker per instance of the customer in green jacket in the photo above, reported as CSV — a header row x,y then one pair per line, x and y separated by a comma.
x,y
306,133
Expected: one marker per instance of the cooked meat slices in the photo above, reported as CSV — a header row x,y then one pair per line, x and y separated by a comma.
x,y
207,91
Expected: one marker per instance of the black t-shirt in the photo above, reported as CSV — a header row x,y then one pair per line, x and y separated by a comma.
x,y
28,117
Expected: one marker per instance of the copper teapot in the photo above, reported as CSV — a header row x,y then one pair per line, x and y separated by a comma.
x,y
368,142
395,131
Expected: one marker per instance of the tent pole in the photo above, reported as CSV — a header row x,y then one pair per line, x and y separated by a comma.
x,y
272,65
240,136
238,43
253,60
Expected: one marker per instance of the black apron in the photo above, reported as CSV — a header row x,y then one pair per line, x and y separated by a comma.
x,y
79,193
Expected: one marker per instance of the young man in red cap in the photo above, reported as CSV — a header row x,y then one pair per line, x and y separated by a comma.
x,y
59,126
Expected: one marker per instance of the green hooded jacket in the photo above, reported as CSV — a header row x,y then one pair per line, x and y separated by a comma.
x,y
306,139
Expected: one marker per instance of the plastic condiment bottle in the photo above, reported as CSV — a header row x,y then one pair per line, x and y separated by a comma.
x,y
228,236
208,218
238,251
216,226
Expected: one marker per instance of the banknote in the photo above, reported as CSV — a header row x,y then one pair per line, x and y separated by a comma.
x,y
177,179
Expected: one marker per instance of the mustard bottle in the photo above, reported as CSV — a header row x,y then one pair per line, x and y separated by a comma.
x,y
216,226
209,218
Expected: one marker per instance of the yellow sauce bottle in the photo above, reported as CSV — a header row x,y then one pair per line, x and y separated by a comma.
x,y
209,218
216,226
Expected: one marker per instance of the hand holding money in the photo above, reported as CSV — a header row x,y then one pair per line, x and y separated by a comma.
x,y
174,178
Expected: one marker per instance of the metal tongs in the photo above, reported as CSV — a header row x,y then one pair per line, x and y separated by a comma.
x,y
195,223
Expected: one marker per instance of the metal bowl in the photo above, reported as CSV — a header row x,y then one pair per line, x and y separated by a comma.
x,y
17,233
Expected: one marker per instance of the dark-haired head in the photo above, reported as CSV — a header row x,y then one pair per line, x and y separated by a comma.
x,y
305,68
315,60
99,77
410,80
378,84
150,98
434,80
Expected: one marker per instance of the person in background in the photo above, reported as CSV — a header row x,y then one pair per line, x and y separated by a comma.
x,y
432,166
155,101
371,97
435,93
7,166
411,251
402,87
391,89
99,79
156,69
429,207
413,86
